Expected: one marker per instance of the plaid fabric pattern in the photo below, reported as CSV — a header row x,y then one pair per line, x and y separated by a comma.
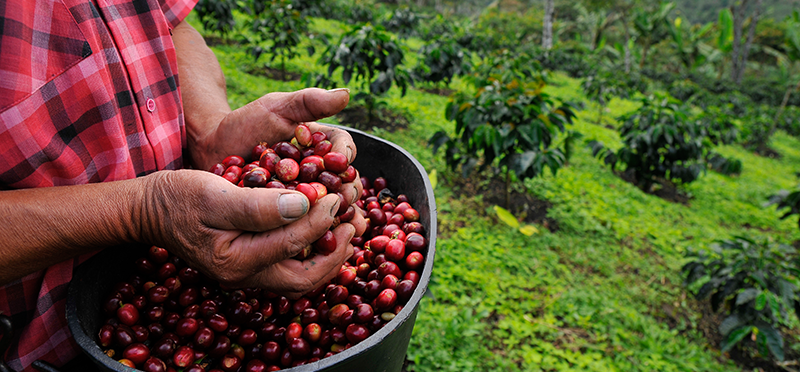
x,y
88,93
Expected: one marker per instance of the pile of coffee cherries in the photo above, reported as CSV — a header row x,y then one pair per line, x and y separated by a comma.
x,y
170,317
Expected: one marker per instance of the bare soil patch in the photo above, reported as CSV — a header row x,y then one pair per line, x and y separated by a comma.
x,y
446,92
522,204
767,152
664,189
214,40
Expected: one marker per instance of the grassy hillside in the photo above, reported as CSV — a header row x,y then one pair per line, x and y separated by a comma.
x,y
602,292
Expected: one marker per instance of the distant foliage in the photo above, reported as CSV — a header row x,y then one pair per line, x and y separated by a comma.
x,y
217,15
403,22
314,8
790,121
510,120
441,61
602,86
505,30
370,55
758,125
358,11
568,57
754,284
717,127
788,202
278,24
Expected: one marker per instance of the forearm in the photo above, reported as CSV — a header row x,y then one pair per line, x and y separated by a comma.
x,y
203,91
43,226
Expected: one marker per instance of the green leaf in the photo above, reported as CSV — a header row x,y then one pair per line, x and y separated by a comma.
x,y
433,177
730,323
774,306
506,216
774,340
528,230
761,301
734,337
725,24
747,295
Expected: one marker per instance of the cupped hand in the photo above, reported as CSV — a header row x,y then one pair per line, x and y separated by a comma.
x,y
271,118
245,237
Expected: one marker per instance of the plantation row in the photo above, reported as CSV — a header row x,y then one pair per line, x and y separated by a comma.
x,y
503,119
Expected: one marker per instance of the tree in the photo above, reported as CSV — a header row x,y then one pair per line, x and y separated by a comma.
x,y
547,34
741,48
792,45
596,22
689,43
650,25
623,10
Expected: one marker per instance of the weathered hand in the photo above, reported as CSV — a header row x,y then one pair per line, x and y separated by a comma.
x,y
244,236
270,119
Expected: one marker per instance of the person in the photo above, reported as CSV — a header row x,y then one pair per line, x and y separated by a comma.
x,y
110,113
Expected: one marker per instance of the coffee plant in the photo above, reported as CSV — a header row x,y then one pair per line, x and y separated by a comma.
x,y
754,284
373,57
359,11
510,122
659,143
601,87
313,8
402,22
759,125
784,200
217,15
717,127
280,25
438,27
443,59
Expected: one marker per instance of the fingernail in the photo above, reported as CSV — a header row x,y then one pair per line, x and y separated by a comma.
x,y
335,207
356,195
350,154
339,90
292,205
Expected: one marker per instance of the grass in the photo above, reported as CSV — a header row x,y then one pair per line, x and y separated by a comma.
x,y
604,291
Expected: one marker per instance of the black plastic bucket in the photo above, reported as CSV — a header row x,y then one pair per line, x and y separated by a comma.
x,y
383,351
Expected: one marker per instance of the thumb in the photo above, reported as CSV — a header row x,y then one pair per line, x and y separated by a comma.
x,y
253,209
308,104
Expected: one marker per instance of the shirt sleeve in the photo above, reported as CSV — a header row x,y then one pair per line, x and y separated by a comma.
x,y
176,10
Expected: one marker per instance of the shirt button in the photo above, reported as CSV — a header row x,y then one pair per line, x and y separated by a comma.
x,y
151,105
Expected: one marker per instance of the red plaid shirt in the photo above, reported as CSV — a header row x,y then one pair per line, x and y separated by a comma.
x,y
88,93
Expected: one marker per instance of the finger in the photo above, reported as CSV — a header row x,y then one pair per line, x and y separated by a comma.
x,y
252,209
293,278
351,191
267,248
359,222
306,105
341,140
